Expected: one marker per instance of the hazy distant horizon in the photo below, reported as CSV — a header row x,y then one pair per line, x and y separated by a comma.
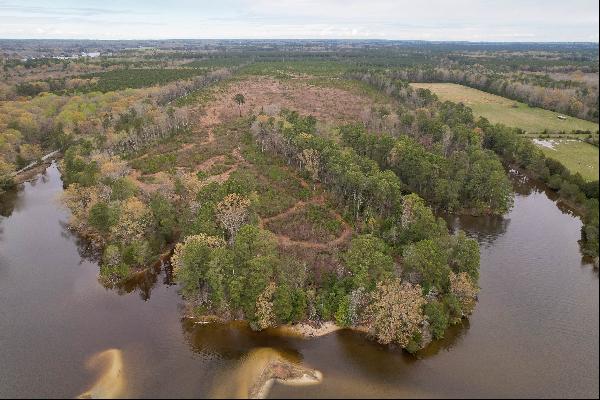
x,y
167,39
529,21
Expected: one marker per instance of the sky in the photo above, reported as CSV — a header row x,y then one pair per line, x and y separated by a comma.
x,y
469,20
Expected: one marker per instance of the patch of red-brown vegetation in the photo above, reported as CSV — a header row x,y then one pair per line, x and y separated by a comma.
x,y
271,95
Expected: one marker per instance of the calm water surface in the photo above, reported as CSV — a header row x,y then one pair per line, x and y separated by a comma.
x,y
534,331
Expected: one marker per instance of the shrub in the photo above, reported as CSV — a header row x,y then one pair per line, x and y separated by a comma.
x,y
438,318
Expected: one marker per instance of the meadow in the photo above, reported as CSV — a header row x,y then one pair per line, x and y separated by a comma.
x,y
509,112
577,156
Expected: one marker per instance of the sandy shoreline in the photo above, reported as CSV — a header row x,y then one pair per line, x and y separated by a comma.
x,y
286,373
303,329
309,331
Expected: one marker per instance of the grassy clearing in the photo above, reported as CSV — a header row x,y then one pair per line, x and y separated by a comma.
x,y
575,155
499,109
313,223
154,164
359,88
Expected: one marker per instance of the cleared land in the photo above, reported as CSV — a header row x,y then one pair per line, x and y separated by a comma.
x,y
499,109
577,156
304,220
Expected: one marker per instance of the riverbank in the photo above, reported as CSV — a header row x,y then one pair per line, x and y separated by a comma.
x,y
31,170
305,330
313,330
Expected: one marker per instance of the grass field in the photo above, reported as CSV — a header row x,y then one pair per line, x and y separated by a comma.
x,y
575,155
499,109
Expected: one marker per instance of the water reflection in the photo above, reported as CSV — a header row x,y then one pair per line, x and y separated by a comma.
x,y
234,340
8,201
521,183
86,251
142,281
485,229
452,337
534,332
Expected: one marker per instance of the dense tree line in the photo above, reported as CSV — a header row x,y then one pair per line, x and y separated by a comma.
x,y
435,148
507,143
138,78
470,180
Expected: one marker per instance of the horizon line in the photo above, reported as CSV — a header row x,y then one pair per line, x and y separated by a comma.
x,y
311,39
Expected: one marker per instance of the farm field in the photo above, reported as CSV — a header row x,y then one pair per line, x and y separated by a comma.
x,y
499,109
575,155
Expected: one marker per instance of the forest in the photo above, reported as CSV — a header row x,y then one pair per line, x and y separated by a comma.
x,y
292,184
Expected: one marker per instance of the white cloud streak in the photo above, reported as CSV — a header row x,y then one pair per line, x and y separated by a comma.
x,y
485,20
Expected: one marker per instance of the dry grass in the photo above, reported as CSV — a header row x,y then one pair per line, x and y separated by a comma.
x,y
271,95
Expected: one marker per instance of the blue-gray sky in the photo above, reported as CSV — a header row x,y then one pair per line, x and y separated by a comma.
x,y
486,20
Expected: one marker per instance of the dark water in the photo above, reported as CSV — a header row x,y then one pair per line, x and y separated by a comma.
x,y
534,331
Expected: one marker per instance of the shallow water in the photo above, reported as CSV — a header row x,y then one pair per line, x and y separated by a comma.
x,y
533,333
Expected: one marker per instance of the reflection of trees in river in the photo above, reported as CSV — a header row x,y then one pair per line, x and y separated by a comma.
x,y
485,229
377,360
11,201
452,337
386,361
8,202
522,185
142,281
85,249
526,186
234,340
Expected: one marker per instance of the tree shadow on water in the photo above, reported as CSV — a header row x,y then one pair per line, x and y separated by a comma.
x,y
142,280
233,340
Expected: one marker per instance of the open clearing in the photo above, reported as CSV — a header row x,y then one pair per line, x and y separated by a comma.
x,y
575,155
499,109
271,95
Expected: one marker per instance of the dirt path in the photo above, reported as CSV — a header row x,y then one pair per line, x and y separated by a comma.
x,y
286,241
206,165
224,176
296,207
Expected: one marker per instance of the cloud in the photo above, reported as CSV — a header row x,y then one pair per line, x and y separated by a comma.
x,y
519,20
66,11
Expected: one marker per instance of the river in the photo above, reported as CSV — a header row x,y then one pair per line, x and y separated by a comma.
x,y
534,331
